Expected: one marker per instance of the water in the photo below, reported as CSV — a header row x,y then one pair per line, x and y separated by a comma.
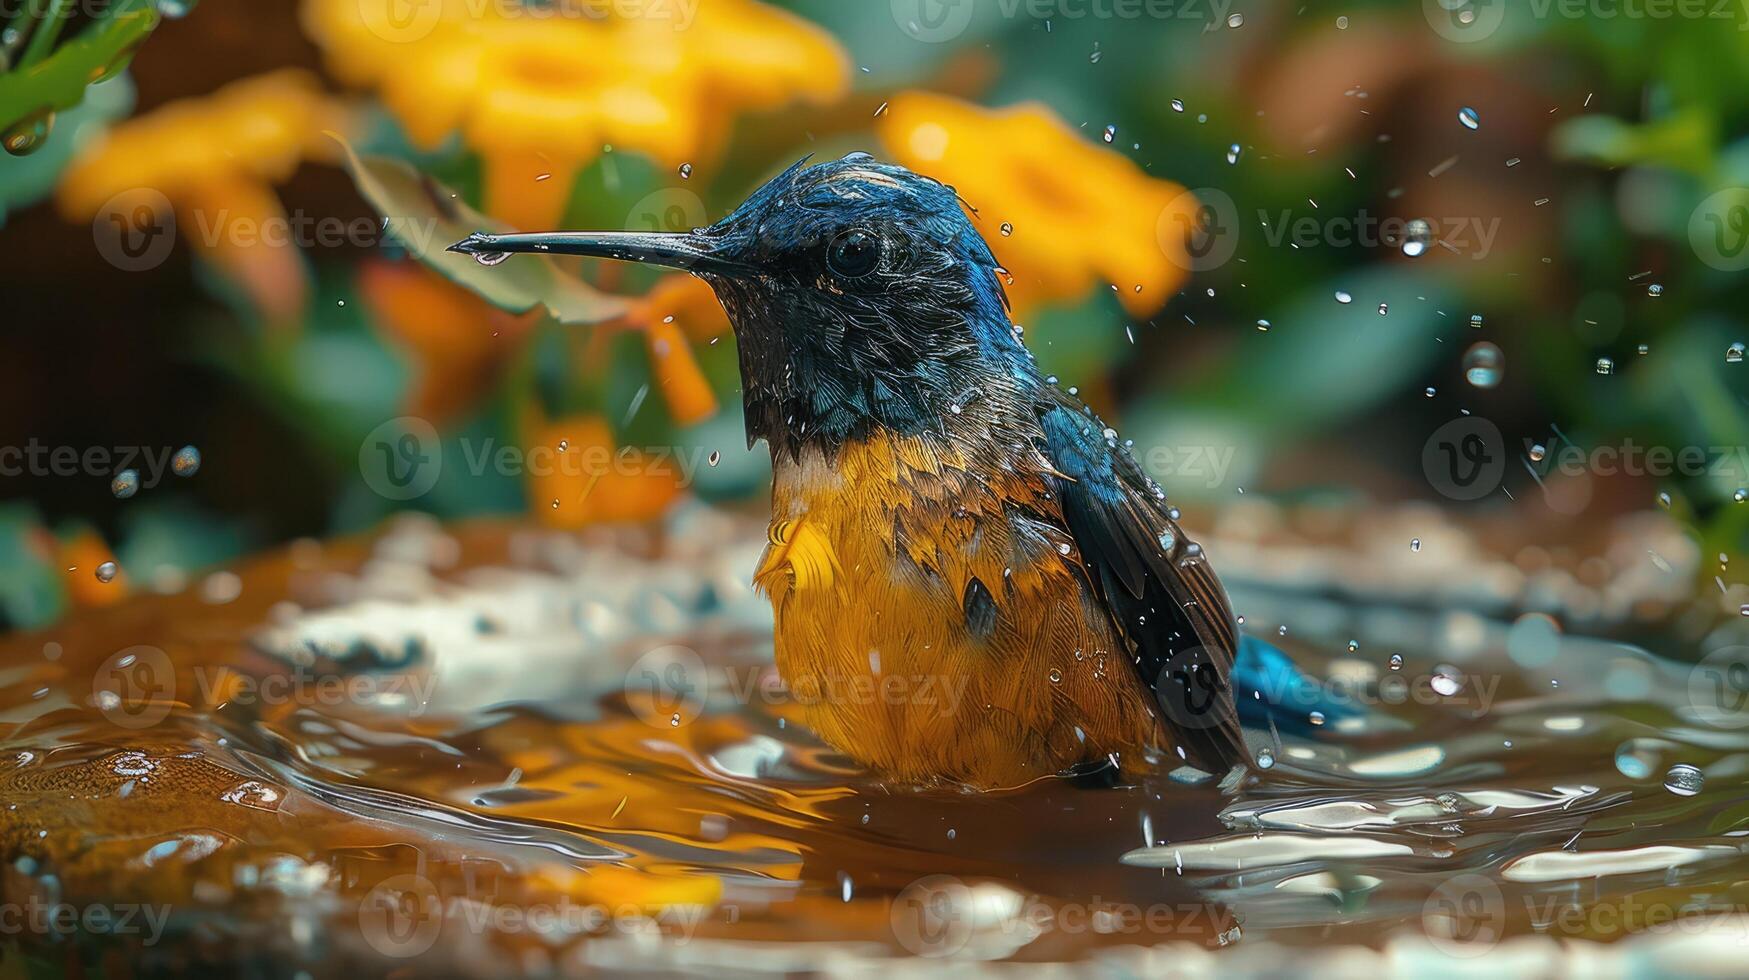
x,y
491,744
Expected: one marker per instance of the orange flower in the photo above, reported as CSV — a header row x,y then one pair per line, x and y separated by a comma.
x,y
213,160
1076,214
449,332
540,93
577,475
677,374
689,300
678,310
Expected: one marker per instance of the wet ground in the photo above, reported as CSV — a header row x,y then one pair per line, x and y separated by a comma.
x,y
463,750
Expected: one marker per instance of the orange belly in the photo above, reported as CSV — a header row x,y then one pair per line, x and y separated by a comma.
x,y
871,559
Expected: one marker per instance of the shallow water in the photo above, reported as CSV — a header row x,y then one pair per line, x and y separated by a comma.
x,y
458,748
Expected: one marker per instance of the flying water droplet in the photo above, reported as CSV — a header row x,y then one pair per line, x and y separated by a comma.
x,y
1605,366
1684,779
1537,452
1655,290
1469,118
1484,365
1110,133
1417,236
1734,353
686,171
1235,20
490,258
1396,661
1233,152
1415,545
1007,229
1343,297
1475,321
125,484
1446,681
28,134
106,572
186,462
1265,758
1384,309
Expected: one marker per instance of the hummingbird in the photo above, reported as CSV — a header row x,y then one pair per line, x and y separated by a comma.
x,y
972,574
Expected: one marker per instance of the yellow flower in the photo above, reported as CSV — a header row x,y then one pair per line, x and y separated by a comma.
x,y
214,159
539,94
1076,215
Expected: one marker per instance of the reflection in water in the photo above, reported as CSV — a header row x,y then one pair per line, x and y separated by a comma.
x,y
461,749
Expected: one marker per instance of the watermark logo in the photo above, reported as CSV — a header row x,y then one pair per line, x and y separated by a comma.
x,y
401,458
1464,21
667,687
1718,230
932,916
1199,229
1191,690
1465,459
135,230
671,209
1718,688
1465,916
135,687
402,916
933,21
401,21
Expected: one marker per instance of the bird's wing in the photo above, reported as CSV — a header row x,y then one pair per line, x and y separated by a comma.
x,y
1158,588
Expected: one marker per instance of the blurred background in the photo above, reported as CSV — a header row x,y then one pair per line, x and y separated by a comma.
x,y
1279,245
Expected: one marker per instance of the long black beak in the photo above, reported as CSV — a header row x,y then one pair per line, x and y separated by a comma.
x,y
680,250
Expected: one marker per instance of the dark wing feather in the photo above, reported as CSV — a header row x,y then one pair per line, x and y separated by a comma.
x,y
1159,590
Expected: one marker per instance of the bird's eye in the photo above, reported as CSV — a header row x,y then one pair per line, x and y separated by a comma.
x,y
853,254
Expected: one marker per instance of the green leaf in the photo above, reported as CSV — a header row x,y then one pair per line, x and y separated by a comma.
x,y
59,81
1686,141
427,218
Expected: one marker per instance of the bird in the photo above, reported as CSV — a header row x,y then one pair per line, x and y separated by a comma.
x,y
971,576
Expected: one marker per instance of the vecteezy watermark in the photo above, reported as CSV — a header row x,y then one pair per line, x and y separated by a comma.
x,y
669,687
1465,459
409,21
1718,230
401,459
404,916
1727,463
1210,464
1464,234
136,687
1468,21
136,230
1467,915
939,915
64,920
149,464
936,21
1200,230
1718,688
670,209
